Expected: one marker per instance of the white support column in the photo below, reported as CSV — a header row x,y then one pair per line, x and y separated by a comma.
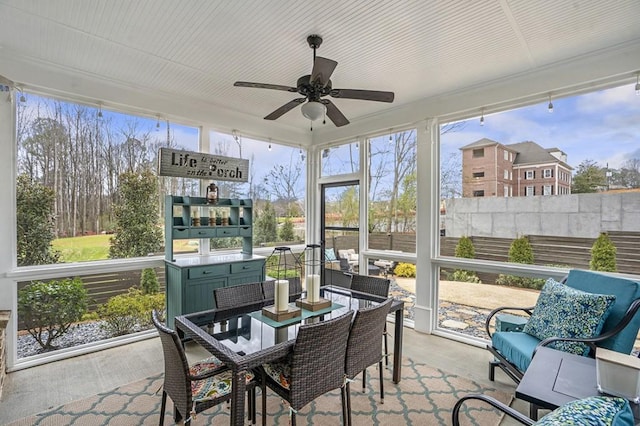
x,y
426,225
312,199
363,235
8,287
205,146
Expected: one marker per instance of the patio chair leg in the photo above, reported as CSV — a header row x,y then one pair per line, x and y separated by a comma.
x,y
163,406
381,383
386,346
348,396
263,388
364,380
492,369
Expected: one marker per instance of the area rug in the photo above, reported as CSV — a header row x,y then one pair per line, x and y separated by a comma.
x,y
425,396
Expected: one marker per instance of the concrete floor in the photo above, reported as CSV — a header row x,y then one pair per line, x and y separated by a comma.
x,y
37,389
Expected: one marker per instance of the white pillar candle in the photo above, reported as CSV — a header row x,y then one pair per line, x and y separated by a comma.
x,y
281,295
313,288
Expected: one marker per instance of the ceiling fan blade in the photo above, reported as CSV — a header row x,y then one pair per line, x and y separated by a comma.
x,y
285,108
264,86
322,70
366,95
334,113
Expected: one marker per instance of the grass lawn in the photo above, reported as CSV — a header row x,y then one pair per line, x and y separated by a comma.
x,y
96,247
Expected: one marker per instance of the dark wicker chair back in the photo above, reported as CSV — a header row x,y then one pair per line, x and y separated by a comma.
x,y
344,265
238,295
176,369
372,285
337,278
364,346
317,364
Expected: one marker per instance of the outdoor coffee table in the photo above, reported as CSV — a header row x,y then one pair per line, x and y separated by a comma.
x,y
555,378
243,339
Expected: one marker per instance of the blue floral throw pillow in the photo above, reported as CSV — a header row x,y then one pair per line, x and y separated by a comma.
x,y
562,311
330,255
595,410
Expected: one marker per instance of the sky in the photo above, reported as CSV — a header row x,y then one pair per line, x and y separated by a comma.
x,y
602,126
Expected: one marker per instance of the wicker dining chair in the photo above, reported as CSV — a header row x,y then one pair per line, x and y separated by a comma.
x,y
196,388
237,295
363,347
315,367
378,287
337,278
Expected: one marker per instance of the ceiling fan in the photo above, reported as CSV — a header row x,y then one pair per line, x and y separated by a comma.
x,y
314,87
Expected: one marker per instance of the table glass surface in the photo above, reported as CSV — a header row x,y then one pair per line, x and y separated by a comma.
x,y
246,330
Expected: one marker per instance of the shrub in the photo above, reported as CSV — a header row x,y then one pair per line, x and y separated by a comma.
x,y
603,254
149,281
463,276
407,270
130,312
520,251
286,230
48,309
465,248
522,282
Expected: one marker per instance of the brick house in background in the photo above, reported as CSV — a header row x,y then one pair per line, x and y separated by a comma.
x,y
491,169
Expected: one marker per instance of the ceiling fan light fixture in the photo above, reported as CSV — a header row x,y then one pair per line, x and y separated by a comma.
x,y
313,110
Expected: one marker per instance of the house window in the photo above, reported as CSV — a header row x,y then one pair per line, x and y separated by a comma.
x,y
479,193
506,191
506,174
548,173
506,155
477,175
530,174
478,153
547,190
530,191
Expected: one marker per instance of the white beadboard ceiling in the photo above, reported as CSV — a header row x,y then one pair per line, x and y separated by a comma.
x,y
181,57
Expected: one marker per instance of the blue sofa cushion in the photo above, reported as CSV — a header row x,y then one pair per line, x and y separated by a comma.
x,y
330,255
625,290
595,410
515,346
562,311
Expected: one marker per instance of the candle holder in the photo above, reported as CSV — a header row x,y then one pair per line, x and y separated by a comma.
x,y
284,267
313,261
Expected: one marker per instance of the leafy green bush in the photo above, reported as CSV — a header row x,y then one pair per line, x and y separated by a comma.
x,y
286,230
603,254
520,251
465,248
463,276
48,309
149,281
522,282
130,312
407,270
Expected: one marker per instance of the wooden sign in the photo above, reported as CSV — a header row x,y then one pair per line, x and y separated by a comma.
x,y
188,164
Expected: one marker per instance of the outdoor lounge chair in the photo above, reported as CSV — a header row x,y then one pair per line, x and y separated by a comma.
x,y
593,410
613,325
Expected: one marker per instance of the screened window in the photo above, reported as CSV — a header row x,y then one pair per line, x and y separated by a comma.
x,y
548,173
478,153
339,160
477,175
530,174
478,193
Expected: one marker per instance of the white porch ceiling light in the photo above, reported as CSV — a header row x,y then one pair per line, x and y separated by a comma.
x,y
313,110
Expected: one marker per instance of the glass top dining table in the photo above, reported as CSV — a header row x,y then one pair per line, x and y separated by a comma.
x,y
243,338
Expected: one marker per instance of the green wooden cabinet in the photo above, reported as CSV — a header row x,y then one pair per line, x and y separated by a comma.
x,y
191,279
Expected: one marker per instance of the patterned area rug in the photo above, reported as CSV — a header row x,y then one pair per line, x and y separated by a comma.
x,y
425,396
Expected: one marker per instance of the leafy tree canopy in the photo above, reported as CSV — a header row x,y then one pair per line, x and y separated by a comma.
x,y
589,177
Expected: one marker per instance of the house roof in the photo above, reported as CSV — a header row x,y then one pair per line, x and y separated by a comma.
x,y
531,153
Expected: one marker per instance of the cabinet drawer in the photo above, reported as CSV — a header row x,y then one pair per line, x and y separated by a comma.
x,y
245,231
242,267
227,232
202,233
208,271
180,233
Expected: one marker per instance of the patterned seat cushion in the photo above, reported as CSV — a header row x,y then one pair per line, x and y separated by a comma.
x,y
206,365
562,311
214,387
280,372
595,410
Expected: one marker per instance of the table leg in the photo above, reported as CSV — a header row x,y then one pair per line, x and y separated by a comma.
x,y
238,390
533,411
397,346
